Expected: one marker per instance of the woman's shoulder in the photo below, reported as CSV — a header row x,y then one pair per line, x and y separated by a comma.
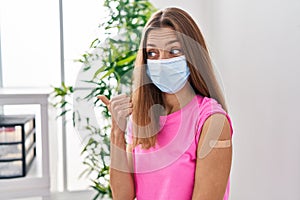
x,y
211,108
209,104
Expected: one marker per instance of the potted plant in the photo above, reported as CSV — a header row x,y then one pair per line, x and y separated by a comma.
x,y
108,64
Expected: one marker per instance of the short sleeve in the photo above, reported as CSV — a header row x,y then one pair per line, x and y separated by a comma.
x,y
208,107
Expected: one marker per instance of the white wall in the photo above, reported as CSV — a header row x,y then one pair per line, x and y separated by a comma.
x,y
199,10
256,47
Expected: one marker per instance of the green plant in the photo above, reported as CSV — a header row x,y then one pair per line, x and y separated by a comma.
x,y
117,53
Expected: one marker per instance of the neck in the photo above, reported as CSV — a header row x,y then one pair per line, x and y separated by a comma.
x,y
174,102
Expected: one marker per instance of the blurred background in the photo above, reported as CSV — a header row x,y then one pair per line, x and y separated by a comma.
x,y
255,48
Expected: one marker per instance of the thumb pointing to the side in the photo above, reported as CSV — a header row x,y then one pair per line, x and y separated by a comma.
x,y
104,99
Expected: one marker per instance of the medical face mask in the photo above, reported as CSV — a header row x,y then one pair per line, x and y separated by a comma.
x,y
169,75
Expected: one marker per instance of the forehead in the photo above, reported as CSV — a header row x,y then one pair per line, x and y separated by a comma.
x,y
161,36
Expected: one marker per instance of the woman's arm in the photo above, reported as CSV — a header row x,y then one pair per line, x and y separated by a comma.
x,y
121,179
213,159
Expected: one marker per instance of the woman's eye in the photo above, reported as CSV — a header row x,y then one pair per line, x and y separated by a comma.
x,y
151,54
176,52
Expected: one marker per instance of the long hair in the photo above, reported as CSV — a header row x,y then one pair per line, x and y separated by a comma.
x,y
146,95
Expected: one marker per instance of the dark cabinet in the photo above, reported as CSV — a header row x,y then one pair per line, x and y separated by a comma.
x,y
17,145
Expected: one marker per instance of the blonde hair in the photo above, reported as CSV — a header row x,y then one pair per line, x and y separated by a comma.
x,y
146,94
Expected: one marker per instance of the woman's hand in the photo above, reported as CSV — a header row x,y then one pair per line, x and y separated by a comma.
x,y
120,108
121,180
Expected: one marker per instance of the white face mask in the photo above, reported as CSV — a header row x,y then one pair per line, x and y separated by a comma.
x,y
169,75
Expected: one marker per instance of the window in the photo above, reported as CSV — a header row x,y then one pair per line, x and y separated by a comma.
x,y
30,52
30,43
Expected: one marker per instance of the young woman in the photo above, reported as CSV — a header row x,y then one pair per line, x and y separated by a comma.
x,y
178,142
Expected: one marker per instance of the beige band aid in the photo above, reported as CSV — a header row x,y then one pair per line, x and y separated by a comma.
x,y
220,143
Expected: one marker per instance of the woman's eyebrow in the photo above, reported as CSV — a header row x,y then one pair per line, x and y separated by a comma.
x,y
151,45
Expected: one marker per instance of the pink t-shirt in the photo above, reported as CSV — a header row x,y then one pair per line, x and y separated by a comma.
x,y
167,171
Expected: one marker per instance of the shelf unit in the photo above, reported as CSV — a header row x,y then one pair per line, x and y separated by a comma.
x,y
32,184
17,145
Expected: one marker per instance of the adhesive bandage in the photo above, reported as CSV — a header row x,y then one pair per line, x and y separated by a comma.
x,y
220,143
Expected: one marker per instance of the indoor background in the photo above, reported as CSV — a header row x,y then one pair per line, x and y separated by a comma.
x,y
255,48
